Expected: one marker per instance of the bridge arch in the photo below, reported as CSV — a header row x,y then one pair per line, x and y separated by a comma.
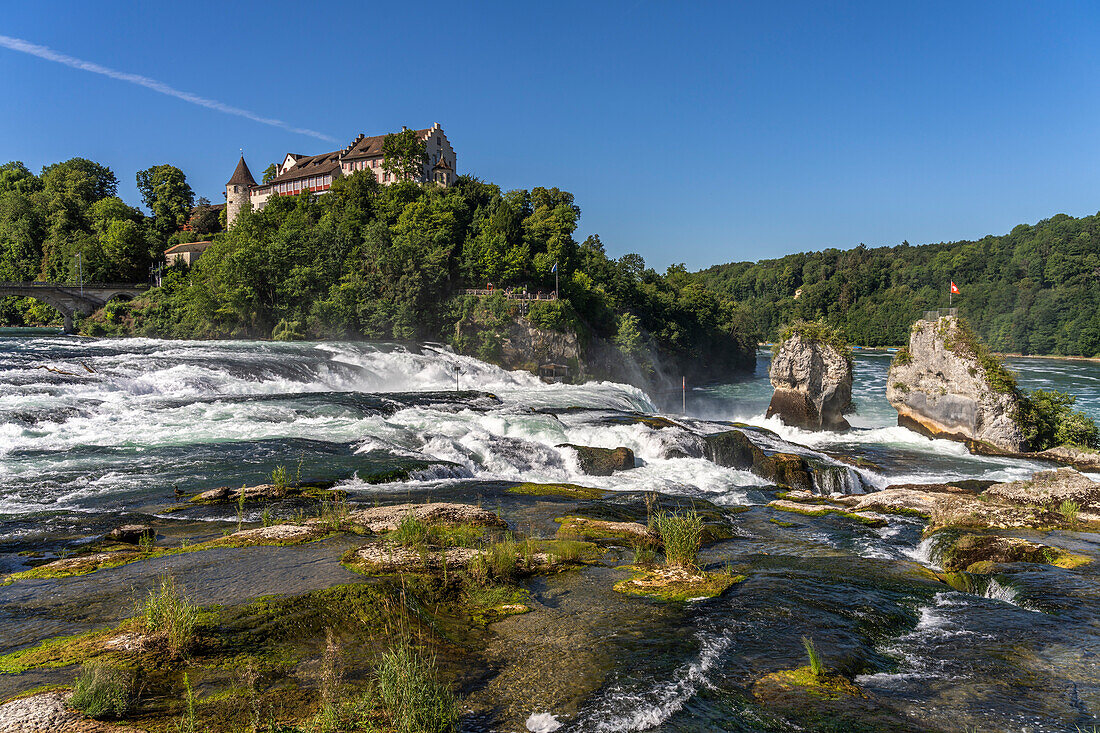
x,y
70,299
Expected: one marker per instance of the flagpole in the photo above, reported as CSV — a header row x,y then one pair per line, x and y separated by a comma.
x,y
949,294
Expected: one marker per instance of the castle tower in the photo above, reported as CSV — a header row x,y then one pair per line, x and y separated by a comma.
x,y
236,191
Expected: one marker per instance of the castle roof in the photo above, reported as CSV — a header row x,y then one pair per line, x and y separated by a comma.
x,y
242,175
442,164
371,147
313,165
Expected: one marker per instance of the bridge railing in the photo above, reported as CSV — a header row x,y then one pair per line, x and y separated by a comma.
x,y
109,286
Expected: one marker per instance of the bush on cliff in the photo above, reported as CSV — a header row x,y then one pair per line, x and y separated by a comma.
x,y
1051,421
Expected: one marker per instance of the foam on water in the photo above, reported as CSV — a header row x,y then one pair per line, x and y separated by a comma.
x,y
626,707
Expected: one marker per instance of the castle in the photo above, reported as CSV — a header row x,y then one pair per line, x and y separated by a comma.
x,y
316,173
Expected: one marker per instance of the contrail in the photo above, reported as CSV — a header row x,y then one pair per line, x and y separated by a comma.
x,y
42,52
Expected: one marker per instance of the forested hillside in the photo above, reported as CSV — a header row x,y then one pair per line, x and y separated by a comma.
x,y
363,261
1035,290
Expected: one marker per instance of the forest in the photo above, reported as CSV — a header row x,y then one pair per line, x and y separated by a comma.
x,y
1035,290
362,261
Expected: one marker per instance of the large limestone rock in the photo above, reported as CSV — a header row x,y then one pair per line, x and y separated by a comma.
x,y
940,388
813,384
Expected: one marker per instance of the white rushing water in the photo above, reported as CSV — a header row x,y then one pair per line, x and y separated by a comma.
x,y
77,417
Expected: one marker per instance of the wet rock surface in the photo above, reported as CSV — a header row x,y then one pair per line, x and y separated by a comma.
x,y
602,461
130,533
387,518
813,384
49,712
941,388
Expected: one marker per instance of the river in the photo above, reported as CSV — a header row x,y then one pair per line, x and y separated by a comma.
x,y
92,431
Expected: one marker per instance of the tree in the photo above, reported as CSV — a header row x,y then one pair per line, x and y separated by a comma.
x,y
15,176
404,155
270,172
204,221
166,194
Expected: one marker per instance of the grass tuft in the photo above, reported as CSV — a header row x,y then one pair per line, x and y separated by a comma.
x,y
409,688
681,535
1069,510
167,613
102,690
817,667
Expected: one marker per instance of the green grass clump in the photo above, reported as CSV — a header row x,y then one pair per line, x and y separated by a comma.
x,y
280,477
681,535
168,613
411,532
409,688
102,690
817,667
1069,510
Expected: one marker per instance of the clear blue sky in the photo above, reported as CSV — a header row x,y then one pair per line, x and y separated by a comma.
x,y
698,133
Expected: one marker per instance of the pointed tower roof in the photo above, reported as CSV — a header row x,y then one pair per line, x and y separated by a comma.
x,y
242,175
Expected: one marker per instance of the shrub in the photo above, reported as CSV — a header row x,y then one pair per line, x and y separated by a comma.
x,y
417,702
816,665
903,357
1050,420
1077,429
681,534
167,613
102,690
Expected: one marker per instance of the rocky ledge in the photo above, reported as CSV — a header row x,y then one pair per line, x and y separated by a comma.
x,y
945,385
1061,498
388,518
812,378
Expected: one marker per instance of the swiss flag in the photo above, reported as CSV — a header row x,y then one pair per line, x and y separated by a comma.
x,y
954,288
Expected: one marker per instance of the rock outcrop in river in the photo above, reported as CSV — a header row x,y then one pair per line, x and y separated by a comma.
x,y
946,385
812,377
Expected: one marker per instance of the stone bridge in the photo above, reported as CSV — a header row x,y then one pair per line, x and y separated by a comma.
x,y
71,298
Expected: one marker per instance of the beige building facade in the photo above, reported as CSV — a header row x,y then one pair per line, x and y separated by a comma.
x,y
316,173
185,253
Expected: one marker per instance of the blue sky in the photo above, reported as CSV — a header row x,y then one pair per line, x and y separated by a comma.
x,y
699,133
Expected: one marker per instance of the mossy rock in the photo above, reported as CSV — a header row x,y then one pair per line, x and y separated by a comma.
x,y
969,551
113,555
675,584
825,686
598,530
820,510
563,491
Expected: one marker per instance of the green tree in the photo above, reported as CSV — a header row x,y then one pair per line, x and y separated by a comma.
x,y
404,155
166,194
269,173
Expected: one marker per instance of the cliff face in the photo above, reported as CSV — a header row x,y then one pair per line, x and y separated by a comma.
x,y
813,384
941,388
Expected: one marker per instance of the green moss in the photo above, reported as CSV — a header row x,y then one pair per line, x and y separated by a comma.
x,y
815,332
569,550
599,531
115,556
665,584
963,341
61,651
565,491
827,686
781,523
